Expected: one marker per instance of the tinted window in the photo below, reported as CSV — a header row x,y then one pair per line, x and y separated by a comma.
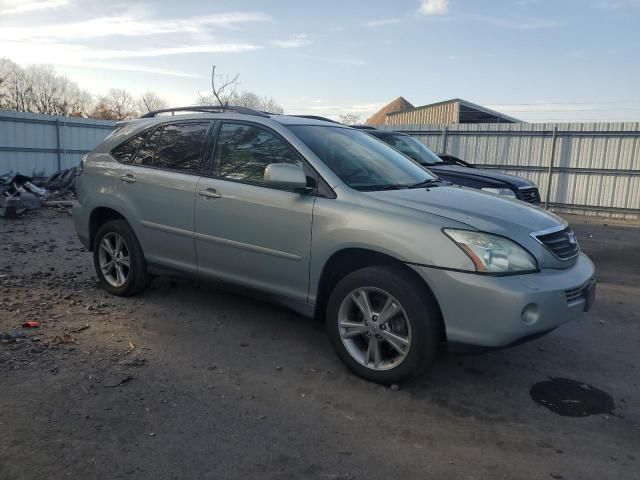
x,y
145,154
124,152
244,151
180,146
360,160
413,148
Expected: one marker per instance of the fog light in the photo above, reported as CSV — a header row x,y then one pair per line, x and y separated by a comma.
x,y
530,314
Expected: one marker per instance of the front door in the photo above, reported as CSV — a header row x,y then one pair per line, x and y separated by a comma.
x,y
246,232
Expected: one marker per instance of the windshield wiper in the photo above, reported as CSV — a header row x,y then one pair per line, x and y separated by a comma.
x,y
429,182
374,188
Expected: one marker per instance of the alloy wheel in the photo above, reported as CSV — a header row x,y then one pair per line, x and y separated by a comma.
x,y
374,328
113,256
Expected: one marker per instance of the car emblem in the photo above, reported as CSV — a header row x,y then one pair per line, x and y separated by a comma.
x,y
572,239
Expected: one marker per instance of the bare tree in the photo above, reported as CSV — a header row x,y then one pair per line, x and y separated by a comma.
x,y
222,90
40,89
350,119
116,104
16,90
150,101
55,94
257,102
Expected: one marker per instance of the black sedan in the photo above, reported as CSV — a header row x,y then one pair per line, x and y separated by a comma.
x,y
457,171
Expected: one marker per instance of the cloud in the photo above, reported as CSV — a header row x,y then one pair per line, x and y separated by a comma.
x,y
518,23
381,23
433,7
126,67
294,42
66,54
127,26
8,7
70,43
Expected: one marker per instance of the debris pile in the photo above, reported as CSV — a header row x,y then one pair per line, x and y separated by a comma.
x,y
19,193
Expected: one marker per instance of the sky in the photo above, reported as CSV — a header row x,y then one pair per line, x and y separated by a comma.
x,y
537,60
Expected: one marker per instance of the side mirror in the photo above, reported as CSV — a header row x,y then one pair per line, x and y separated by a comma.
x,y
285,176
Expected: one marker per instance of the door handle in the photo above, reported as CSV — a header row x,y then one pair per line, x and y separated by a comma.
x,y
209,193
128,178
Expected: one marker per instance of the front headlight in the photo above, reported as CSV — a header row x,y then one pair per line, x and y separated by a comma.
x,y
493,253
507,192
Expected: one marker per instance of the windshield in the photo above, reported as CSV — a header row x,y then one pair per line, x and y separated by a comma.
x,y
413,148
361,161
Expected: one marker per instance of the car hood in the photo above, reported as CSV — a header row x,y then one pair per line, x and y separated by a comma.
x,y
511,180
480,210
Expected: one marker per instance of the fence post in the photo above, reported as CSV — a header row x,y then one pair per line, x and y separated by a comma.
x,y
550,170
58,151
445,134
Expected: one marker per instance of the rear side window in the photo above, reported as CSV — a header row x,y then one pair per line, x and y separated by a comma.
x,y
145,154
125,151
180,147
244,151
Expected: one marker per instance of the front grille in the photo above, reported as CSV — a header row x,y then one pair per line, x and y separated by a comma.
x,y
529,195
563,244
577,293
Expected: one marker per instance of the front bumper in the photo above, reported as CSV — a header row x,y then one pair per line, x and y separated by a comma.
x,y
488,311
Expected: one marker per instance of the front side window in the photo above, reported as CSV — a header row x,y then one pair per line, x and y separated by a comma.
x,y
413,149
361,161
125,151
180,147
242,152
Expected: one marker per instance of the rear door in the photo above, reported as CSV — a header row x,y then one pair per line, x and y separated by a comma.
x,y
158,185
246,232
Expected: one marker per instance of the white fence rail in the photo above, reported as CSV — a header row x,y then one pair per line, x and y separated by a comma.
x,y
43,144
591,168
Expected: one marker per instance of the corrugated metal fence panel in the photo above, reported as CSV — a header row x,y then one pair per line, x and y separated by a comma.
x,y
524,149
29,142
441,113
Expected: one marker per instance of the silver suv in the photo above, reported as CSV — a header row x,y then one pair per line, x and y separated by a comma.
x,y
338,223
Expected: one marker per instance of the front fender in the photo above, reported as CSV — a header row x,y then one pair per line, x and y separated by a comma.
x,y
413,237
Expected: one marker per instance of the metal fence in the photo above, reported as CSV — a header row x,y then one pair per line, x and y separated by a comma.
x,y
41,144
589,168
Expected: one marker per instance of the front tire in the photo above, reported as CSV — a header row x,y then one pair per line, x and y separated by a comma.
x,y
119,260
383,324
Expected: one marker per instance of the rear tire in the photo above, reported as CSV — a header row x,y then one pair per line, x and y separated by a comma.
x,y
401,335
119,260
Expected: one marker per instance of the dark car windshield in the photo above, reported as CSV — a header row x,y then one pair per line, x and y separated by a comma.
x,y
359,160
412,148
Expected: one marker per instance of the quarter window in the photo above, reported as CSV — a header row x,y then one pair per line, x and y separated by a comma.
x,y
124,152
180,146
243,152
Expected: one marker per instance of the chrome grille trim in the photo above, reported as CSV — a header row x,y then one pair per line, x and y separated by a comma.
x,y
556,240
575,294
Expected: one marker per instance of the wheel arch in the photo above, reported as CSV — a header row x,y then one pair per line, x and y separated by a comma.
x,y
99,216
348,260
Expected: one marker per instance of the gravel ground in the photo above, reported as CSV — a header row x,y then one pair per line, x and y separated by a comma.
x,y
191,380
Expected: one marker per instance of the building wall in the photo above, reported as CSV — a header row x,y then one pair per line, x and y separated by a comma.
x,y
596,166
42,144
439,113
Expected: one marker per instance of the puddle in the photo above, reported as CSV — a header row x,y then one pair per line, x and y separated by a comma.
x,y
570,398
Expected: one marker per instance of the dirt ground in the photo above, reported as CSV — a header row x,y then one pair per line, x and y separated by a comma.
x,y
192,381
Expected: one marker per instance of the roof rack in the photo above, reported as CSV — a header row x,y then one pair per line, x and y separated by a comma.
x,y
316,117
364,127
206,109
